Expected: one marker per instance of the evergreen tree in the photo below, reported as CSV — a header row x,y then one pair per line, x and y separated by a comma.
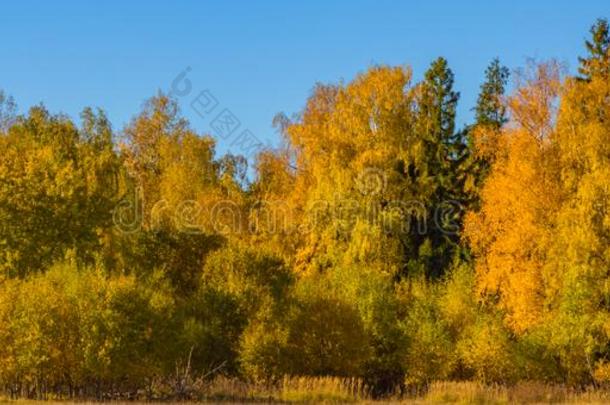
x,y
597,63
490,117
439,101
490,110
445,157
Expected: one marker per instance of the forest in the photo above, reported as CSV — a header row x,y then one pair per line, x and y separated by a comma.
x,y
380,247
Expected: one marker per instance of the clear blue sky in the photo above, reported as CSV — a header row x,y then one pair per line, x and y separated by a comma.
x,y
259,58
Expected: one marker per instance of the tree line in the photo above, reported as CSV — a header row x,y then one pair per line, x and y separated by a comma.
x,y
381,241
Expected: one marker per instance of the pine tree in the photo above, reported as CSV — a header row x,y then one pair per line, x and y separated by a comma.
x,y
490,110
490,116
597,63
445,150
440,101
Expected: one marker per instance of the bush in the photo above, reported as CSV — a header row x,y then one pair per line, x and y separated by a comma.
x,y
69,327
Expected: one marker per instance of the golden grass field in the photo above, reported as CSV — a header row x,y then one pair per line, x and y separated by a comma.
x,y
352,390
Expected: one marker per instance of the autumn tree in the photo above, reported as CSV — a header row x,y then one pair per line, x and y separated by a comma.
x,y
174,186
509,234
135,264
7,111
58,187
579,256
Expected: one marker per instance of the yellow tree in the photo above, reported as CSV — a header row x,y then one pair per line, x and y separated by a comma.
x,y
510,233
347,146
57,189
579,256
183,198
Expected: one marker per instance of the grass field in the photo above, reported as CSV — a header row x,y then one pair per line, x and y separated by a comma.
x,y
352,390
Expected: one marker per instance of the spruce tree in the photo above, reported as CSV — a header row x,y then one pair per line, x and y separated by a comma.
x,y
490,110
445,153
597,62
440,101
490,116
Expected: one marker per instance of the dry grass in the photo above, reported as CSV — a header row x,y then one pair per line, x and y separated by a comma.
x,y
353,390
322,389
521,393
342,390
289,389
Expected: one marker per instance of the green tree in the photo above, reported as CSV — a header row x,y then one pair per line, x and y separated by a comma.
x,y
490,117
597,62
438,103
490,110
445,153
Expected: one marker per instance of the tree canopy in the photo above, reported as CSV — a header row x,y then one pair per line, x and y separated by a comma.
x,y
379,241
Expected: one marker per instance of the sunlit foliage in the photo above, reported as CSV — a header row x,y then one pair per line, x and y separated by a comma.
x,y
379,243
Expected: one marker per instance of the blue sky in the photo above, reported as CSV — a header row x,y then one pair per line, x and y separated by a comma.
x,y
260,57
